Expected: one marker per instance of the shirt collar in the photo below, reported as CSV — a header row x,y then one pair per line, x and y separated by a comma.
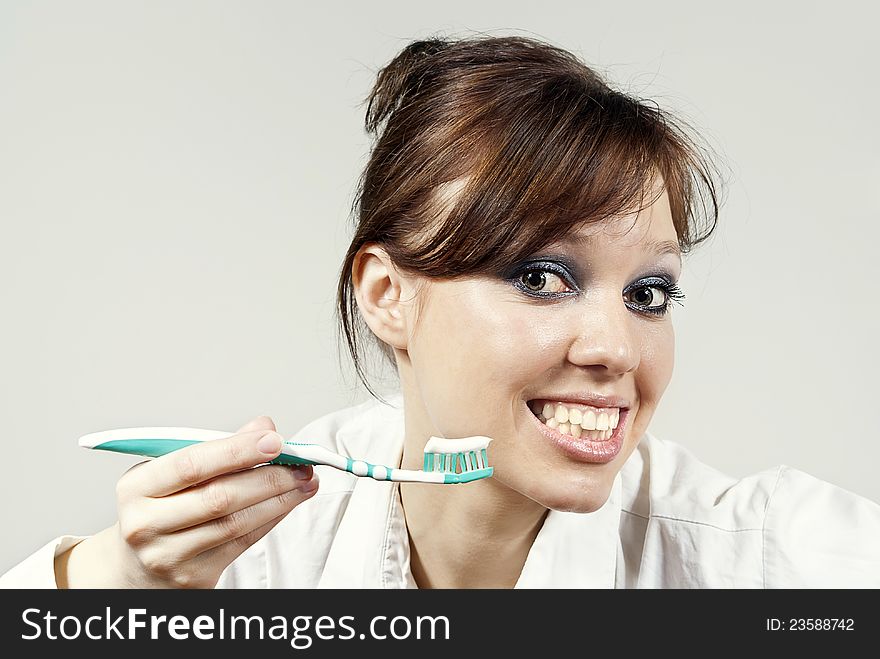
x,y
576,550
370,548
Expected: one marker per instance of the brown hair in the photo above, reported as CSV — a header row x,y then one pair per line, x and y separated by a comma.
x,y
533,142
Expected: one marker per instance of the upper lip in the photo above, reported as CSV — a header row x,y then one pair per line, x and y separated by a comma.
x,y
587,398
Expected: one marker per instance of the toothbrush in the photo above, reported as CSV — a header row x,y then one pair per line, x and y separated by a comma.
x,y
447,461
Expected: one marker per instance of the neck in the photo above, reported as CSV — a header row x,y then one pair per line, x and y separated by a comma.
x,y
474,535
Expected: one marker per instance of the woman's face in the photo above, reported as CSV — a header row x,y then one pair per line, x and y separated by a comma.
x,y
578,319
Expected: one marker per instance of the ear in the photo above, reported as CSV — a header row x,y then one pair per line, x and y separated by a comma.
x,y
383,295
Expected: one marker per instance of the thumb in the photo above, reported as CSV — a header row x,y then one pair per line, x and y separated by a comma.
x,y
259,423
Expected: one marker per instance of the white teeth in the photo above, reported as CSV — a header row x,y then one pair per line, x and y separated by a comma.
x,y
576,422
589,420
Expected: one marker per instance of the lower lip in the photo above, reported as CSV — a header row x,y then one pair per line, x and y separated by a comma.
x,y
584,449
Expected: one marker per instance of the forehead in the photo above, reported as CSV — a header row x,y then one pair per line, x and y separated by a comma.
x,y
650,229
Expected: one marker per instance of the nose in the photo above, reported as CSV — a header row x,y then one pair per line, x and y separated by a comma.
x,y
604,335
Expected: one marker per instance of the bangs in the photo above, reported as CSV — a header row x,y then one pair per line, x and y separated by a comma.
x,y
569,155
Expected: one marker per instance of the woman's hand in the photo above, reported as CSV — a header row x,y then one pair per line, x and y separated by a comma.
x,y
185,516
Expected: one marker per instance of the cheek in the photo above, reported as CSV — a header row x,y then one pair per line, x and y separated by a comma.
x,y
652,377
473,354
519,348
657,362
485,345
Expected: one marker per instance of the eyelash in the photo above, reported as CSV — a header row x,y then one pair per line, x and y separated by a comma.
x,y
672,293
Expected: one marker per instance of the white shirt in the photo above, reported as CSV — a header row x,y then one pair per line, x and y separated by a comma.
x,y
670,522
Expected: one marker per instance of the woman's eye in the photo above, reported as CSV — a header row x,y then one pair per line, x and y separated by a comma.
x,y
651,297
656,298
538,281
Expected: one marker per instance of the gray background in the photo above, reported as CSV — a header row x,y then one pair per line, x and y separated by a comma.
x,y
175,179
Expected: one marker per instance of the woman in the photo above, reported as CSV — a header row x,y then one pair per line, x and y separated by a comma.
x,y
519,242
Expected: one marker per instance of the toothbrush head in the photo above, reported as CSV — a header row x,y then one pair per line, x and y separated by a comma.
x,y
458,460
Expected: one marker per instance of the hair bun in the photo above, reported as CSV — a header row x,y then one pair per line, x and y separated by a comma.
x,y
402,77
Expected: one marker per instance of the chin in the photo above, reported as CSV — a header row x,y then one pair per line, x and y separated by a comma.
x,y
573,497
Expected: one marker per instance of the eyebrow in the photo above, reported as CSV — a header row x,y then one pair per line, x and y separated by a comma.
x,y
665,247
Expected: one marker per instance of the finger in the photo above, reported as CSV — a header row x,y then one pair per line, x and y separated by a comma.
x,y
135,466
214,561
258,423
198,539
224,495
200,462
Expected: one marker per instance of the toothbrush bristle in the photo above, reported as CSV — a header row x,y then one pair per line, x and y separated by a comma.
x,y
457,456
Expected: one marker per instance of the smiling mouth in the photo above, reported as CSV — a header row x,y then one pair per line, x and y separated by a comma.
x,y
592,444
596,424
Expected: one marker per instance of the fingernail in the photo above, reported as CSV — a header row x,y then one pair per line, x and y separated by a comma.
x,y
270,443
302,472
311,486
